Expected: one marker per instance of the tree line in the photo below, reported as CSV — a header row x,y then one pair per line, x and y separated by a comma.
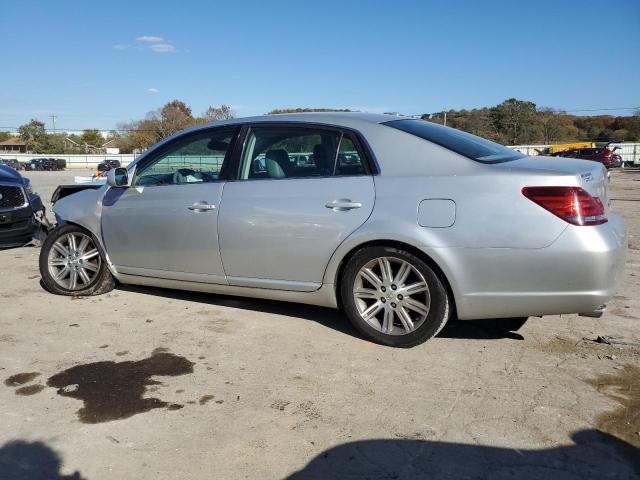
x,y
520,122
512,122
129,137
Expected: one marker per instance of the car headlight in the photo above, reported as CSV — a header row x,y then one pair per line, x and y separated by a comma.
x,y
27,185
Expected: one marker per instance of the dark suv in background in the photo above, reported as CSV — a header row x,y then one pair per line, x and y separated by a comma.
x,y
108,164
18,206
46,164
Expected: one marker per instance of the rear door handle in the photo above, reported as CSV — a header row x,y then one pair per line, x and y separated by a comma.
x,y
342,205
201,207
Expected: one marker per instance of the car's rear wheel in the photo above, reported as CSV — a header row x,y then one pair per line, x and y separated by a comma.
x,y
393,297
71,263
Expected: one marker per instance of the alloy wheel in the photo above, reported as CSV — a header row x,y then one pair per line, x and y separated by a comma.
x,y
391,295
74,261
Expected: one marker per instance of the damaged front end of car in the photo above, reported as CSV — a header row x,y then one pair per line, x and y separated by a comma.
x,y
23,219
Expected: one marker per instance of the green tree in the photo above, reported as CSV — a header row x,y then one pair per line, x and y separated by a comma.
x,y
515,121
4,136
54,144
92,137
34,135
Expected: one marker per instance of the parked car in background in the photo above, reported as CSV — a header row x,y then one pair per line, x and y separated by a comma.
x,y
400,222
113,162
18,204
46,164
34,164
105,166
12,162
604,155
57,164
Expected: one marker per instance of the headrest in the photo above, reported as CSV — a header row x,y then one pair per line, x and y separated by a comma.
x,y
321,159
278,164
278,155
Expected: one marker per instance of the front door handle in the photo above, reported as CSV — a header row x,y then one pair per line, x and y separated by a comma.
x,y
201,206
342,205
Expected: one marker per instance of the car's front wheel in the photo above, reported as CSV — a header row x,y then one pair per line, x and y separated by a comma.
x,y
393,297
71,263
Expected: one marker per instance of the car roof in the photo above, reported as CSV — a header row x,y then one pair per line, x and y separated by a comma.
x,y
341,119
352,120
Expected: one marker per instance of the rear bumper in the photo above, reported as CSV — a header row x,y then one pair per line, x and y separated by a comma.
x,y
578,273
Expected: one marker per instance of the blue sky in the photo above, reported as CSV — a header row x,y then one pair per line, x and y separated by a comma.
x,y
94,64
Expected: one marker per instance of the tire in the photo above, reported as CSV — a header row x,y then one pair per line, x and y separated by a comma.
x,y
97,278
366,289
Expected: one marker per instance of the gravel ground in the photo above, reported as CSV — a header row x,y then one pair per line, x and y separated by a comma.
x,y
156,384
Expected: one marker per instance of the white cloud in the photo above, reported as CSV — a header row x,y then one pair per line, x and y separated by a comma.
x,y
163,48
152,90
150,39
154,43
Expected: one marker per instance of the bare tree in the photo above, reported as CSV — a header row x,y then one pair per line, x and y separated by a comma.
x,y
223,112
549,124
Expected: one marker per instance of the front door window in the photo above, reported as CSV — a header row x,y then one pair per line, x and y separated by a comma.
x,y
196,158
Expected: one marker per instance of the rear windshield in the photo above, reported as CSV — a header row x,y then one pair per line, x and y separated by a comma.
x,y
470,146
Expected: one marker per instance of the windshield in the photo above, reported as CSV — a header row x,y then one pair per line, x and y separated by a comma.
x,y
464,143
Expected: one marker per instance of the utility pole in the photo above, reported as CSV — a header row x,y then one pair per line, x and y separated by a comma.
x,y
445,118
53,120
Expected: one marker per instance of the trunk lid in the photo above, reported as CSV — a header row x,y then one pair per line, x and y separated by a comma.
x,y
591,176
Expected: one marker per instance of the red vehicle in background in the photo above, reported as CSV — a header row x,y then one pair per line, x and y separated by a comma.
x,y
604,155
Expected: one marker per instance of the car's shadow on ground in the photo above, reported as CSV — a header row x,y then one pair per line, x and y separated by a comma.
x,y
23,460
488,329
485,329
593,455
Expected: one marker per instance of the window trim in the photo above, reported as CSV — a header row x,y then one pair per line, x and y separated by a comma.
x,y
369,164
225,170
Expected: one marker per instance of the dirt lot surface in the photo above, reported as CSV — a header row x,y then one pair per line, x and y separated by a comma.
x,y
156,384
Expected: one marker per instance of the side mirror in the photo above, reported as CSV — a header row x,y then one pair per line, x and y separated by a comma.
x,y
118,177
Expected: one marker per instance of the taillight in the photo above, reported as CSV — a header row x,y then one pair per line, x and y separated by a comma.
x,y
572,204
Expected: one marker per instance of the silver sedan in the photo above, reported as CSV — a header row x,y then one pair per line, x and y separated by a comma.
x,y
402,223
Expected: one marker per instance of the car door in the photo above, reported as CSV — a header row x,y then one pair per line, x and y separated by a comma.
x,y
165,224
282,220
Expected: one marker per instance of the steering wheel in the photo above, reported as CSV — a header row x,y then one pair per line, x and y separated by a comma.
x,y
181,175
187,175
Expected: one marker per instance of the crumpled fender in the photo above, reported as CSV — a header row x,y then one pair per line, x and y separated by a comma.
x,y
83,208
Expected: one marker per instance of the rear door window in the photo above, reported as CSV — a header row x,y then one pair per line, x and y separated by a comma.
x,y
350,161
280,152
